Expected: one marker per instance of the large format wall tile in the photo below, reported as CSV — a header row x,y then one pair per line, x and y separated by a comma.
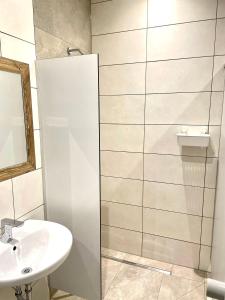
x,y
16,19
207,228
122,137
221,9
220,37
218,73
118,48
14,48
171,197
120,190
161,12
122,164
121,239
164,223
205,258
28,193
211,172
178,108
68,20
175,169
127,109
119,15
185,75
180,41
121,215
172,251
209,202
6,198
216,108
122,79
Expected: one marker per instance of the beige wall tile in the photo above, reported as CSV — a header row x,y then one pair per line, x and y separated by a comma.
x,y
218,73
216,108
125,191
220,37
175,169
211,172
123,47
180,41
121,164
163,223
209,202
122,137
221,8
25,52
213,149
121,215
177,198
16,18
36,214
178,108
172,251
6,200
180,11
127,109
119,15
37,148
122,79
27,192
162,139
205,258
36,124
121,239
185,75
207,228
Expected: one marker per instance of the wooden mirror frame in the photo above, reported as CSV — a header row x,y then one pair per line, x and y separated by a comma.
x,y
22,69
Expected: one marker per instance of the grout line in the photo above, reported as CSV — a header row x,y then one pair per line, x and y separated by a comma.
x,y
160,182
18,38
157,26
159,124
158,60
162,93
155,235
31,211
158,209
158,154
209,114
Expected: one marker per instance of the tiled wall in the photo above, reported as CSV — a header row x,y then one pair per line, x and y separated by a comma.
x,y
161,68
21,197
61,24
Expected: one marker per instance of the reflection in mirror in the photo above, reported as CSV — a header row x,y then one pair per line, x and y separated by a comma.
x,y
12,127
17,154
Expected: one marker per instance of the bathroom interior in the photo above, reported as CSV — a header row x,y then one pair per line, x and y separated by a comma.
x,y
112,149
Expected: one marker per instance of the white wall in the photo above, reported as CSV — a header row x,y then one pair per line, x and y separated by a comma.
x,y
22,196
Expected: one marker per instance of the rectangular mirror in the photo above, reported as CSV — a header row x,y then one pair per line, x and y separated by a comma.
x,y
17,154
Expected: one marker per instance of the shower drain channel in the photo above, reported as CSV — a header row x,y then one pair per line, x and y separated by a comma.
x,y
26,270
131,263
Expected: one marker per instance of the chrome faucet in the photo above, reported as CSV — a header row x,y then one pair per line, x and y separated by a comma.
x,y
7,226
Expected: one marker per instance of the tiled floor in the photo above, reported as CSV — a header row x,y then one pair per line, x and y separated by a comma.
x,y
121,281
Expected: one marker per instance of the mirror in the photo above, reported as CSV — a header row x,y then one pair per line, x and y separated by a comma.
x,y
16,125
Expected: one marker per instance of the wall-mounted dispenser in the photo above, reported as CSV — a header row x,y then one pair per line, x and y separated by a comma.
x,y
193,138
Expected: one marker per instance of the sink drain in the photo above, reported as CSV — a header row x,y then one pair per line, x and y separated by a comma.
x,y
26,270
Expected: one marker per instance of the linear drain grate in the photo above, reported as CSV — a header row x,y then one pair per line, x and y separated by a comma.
x,y
124,261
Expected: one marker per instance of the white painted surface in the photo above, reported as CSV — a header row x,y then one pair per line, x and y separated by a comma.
x,y
68,93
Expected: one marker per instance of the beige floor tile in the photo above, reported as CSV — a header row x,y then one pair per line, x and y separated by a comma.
x,y
135,283
110,268
176,287
196,294
148,262
189,273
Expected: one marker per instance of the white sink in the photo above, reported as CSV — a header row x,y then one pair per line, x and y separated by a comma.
x,y
41,248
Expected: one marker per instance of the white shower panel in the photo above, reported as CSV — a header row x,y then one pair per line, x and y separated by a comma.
x,y
69,113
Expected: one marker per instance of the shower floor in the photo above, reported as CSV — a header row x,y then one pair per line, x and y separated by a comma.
x,y
129,277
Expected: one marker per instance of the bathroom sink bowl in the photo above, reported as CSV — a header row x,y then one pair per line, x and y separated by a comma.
x,y
40,247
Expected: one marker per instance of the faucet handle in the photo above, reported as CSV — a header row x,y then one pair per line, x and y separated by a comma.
x,y
11,222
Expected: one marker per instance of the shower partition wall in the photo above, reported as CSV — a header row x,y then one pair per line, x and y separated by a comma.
x,y
68,93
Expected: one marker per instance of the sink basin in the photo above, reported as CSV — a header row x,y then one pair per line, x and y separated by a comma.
x,y
41,247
